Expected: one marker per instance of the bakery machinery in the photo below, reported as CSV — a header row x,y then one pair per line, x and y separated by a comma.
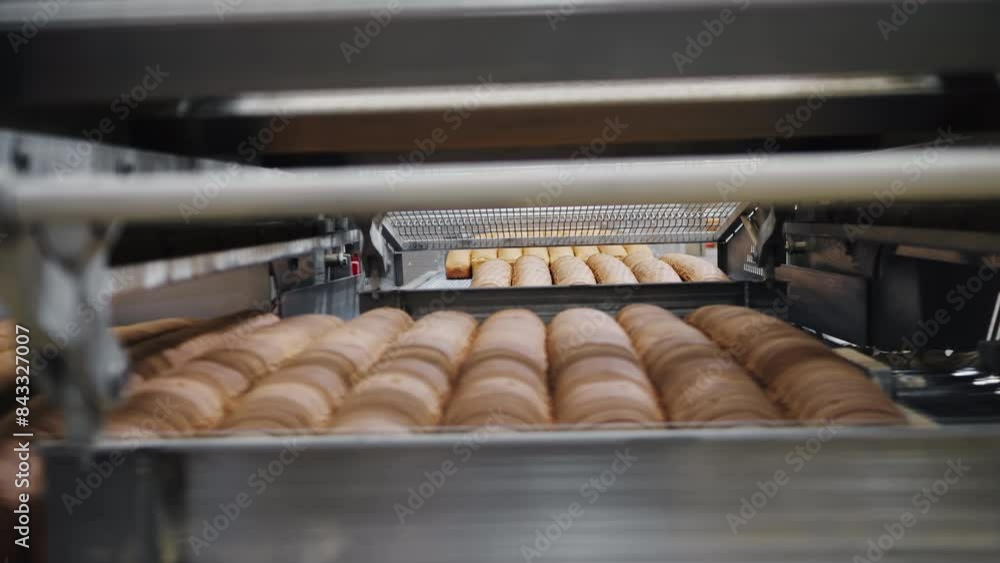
x,y
835,159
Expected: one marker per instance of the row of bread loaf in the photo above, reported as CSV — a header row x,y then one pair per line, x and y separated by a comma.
x,y
696,379
410,384
503,381
596,374
194,396
798,371
461,264
599,268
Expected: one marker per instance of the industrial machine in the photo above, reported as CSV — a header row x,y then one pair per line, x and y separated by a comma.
x,y
192,158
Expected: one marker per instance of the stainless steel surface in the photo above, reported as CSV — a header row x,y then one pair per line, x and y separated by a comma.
x,y
437,280
959,174
338,298
976,242
158,273
681,298
560,226
213,50
338,498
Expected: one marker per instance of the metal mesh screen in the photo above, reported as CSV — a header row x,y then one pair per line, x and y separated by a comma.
x,y
556,226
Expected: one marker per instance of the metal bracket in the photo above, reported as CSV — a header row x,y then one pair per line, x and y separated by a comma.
x,y
759,230
55,279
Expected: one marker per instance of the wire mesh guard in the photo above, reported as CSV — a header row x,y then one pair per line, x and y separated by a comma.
x,y
556,226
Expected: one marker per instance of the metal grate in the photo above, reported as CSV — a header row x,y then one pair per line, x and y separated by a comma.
x,y
556,226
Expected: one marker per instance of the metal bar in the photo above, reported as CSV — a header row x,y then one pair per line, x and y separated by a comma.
x,y
159,273
974,242
958,174
297,44
680,298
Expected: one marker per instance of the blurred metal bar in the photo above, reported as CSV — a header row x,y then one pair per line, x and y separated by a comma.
x,y
258,45
955,174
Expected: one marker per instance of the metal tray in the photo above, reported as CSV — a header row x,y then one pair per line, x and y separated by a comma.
x,y
348,499
680,298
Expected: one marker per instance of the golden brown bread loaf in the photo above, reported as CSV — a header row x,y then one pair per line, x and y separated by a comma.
x,y
598,377
697,380
161,353
503,379
808,379
692,268
584,252
509,255
264,350
570,270
408,385
129,335
557,252
638,249
458,264
480,255
648,269
492,273
609,270
307,389
531,271
539,251
616,250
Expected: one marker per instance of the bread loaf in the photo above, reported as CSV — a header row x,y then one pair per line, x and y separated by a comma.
x,y
539,251
531,271
638,249
503,379
597,374
609,270
132,334
458,264
809,380
480,255
557,252
509,255
648,269
161,353
584,252
616,250
570,270
492,273
694,269
697,381
408,385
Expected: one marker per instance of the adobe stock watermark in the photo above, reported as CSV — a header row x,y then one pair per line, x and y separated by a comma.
x,y
435,479
697,43
583,156
257,482
901,13
787,126
958,298
912,170
922,502
365,34
711,374
590,491
566,9
47,9
795,460
454,117
121,107
219,180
